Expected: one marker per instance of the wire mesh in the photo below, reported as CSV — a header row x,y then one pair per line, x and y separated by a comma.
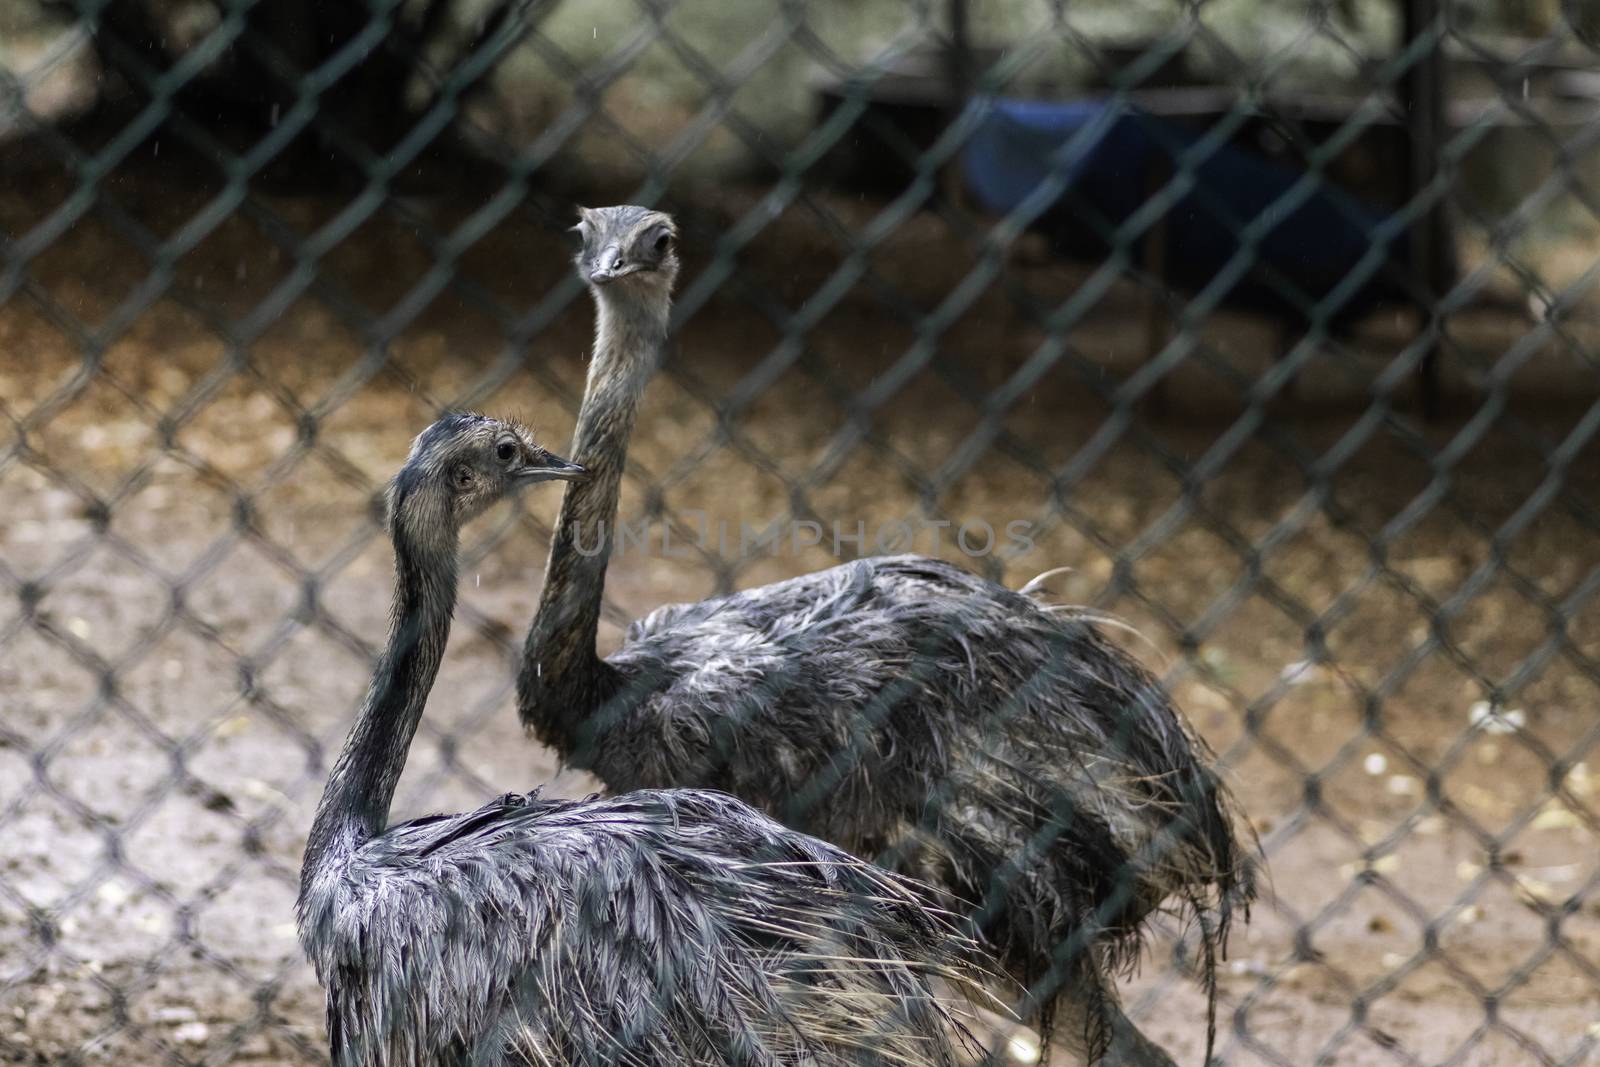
x,y
254,249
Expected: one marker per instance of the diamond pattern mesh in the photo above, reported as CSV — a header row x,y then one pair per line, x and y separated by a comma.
x,y
241,263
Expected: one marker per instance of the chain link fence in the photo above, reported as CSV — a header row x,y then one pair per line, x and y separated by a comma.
x,y
1275,322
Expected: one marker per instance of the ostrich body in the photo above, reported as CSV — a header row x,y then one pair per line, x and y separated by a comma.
x,y
899,707
655,928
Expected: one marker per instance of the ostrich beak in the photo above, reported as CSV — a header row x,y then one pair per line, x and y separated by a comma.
x,y
609,266
550,468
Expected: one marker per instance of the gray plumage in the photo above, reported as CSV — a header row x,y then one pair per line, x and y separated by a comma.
x,y
656,928
899,707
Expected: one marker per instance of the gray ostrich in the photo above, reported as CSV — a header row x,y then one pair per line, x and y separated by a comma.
x,y
899,707
654,928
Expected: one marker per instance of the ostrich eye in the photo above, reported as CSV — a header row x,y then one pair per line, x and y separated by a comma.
x,y
662,243
504,451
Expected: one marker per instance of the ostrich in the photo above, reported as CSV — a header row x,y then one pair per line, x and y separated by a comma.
x,y
899,707
653,928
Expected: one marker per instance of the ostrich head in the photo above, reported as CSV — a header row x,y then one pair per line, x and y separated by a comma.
x,y
627,251
458,467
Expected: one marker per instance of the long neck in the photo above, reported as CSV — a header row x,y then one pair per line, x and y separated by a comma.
x,y
355,804
560,656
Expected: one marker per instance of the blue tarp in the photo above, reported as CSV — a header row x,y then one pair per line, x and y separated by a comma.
x,y
1124,155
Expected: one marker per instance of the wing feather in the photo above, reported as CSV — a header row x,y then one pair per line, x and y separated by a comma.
x,y
653,928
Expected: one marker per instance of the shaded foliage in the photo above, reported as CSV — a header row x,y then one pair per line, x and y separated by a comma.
x,y
351,79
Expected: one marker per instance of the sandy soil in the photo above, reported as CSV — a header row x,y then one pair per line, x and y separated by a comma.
x,y
185,630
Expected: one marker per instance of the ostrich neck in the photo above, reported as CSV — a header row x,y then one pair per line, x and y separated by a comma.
x,y
560,662
355,804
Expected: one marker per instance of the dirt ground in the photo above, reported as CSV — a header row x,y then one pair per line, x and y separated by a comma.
x,y
153,822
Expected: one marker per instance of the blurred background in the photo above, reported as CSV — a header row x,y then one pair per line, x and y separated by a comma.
x,y
1276,320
